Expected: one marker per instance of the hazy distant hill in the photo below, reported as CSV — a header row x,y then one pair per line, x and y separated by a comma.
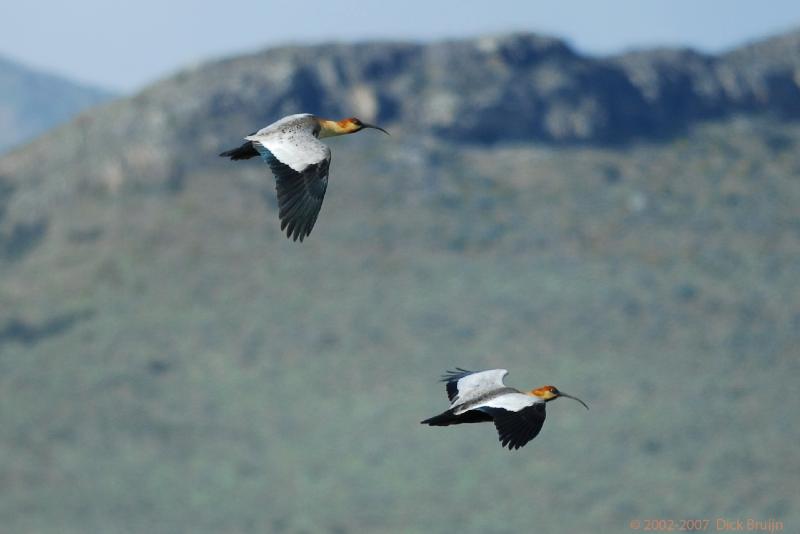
x,y
625,228
32,102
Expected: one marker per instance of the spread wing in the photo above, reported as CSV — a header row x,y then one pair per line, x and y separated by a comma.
x,y
300,164
463,385
518,418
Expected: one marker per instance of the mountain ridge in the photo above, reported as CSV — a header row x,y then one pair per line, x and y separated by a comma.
x,y
760,76
488,90
33,101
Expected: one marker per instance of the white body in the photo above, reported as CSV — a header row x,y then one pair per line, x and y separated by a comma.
x,y
293,141
486,389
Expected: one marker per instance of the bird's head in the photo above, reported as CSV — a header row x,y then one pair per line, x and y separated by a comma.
x,y
548,393
345,126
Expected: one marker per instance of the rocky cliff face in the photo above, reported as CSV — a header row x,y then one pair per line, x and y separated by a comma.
x,y
516,87
511,88
505,89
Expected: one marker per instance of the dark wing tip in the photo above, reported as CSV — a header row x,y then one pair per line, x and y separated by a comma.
x,y
300,222
516,429
452,378
455,375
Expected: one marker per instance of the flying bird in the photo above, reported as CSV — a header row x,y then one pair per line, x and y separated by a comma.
x,y
292,148
477,397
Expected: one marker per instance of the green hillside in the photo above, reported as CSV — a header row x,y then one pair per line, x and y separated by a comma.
x,y
169,362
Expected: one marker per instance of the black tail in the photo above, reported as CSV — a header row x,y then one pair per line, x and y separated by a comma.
x,y
246,151
443,419
449,418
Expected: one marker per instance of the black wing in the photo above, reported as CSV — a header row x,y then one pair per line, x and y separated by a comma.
x,y
452,378
300,194
515,429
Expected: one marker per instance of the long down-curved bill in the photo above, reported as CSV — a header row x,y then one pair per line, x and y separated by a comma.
x,y
375,127
573,398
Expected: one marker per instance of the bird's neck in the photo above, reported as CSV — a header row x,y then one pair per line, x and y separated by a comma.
x,y
541,394
333,128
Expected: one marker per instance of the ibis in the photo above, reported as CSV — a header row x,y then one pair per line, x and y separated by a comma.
x,y
299,161
477,397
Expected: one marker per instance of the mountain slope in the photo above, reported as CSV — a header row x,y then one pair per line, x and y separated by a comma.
x,y
169,362
31,102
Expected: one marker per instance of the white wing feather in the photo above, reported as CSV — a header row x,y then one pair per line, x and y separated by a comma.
x,y
477,384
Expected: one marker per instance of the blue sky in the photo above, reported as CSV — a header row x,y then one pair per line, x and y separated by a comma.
x,y
125,45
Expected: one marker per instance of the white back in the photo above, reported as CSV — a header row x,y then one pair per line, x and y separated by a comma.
x,y
478,384
291,140
293,121
513,402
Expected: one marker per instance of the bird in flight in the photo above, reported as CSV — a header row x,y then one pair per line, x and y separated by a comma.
x,y
292,148
476,397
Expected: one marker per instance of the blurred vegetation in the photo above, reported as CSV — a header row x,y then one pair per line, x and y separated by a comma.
x,y
169,362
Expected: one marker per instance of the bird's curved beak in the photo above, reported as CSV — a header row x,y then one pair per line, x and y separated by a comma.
x,y
365,125
573,398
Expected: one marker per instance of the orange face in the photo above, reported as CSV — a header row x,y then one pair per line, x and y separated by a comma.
x,y
351,124
342,127
546,392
